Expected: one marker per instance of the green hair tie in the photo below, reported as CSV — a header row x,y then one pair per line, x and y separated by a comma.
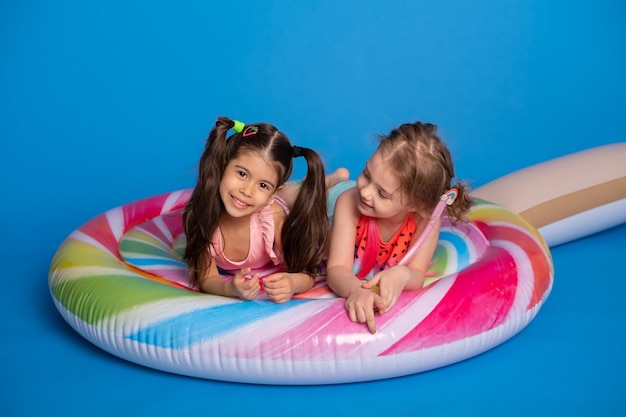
x,y
238,127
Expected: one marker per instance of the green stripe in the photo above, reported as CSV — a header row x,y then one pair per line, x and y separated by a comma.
x,y
141,247
95,298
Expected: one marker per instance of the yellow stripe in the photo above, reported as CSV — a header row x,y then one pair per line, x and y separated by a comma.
x,y
576,202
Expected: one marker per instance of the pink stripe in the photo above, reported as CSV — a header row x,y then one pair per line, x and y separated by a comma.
x,y
142,210
99,229
330,333
174,222
174,225
135,213
538,258
479,300
307,340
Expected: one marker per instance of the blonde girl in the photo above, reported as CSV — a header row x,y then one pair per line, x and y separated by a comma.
x,y
389,211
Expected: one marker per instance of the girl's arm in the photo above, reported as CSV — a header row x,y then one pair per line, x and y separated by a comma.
x,y
421,261
361,303
342,236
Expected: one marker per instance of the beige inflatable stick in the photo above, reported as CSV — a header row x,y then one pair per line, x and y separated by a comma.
x,y
567,197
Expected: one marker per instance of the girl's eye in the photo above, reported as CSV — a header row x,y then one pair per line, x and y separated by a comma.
x,y
383,195
264,186
242,174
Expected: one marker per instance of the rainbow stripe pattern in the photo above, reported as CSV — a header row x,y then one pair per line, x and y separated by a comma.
x,y
119,281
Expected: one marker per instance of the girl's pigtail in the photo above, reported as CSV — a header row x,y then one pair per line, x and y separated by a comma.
x,y
201,214
305,234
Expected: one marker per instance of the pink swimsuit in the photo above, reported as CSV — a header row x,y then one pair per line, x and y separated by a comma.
x,y
262,253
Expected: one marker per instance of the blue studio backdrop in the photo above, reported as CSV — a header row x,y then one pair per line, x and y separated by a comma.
x,y
106,102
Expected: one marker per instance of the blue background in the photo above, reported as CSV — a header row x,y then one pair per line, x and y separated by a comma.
x,y
103,103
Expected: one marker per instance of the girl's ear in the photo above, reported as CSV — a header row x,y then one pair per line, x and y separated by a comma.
x,y
411,208
416,210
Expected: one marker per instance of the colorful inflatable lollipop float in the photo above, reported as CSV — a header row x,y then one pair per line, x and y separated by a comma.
x,y
120,282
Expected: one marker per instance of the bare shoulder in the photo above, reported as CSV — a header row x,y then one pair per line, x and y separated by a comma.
x,y
348,201
346,209
278,209
279,213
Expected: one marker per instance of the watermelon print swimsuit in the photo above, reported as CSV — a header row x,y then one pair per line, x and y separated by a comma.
x,y
369,259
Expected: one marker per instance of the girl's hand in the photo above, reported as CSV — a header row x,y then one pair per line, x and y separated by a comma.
x,y
362,304
279,287
245,288
391,283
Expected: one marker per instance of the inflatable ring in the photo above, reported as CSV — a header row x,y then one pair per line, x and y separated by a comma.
x,y
123,305
119,281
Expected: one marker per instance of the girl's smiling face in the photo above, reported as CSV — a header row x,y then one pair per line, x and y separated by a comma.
x,y
248,184
379,191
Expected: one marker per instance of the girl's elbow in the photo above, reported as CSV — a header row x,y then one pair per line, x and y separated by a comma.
x,y
416,280
331,278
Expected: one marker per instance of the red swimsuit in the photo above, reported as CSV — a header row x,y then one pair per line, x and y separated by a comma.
x,y
381,255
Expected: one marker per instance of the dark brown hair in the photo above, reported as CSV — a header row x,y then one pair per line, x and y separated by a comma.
x,y
306,230
423,165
